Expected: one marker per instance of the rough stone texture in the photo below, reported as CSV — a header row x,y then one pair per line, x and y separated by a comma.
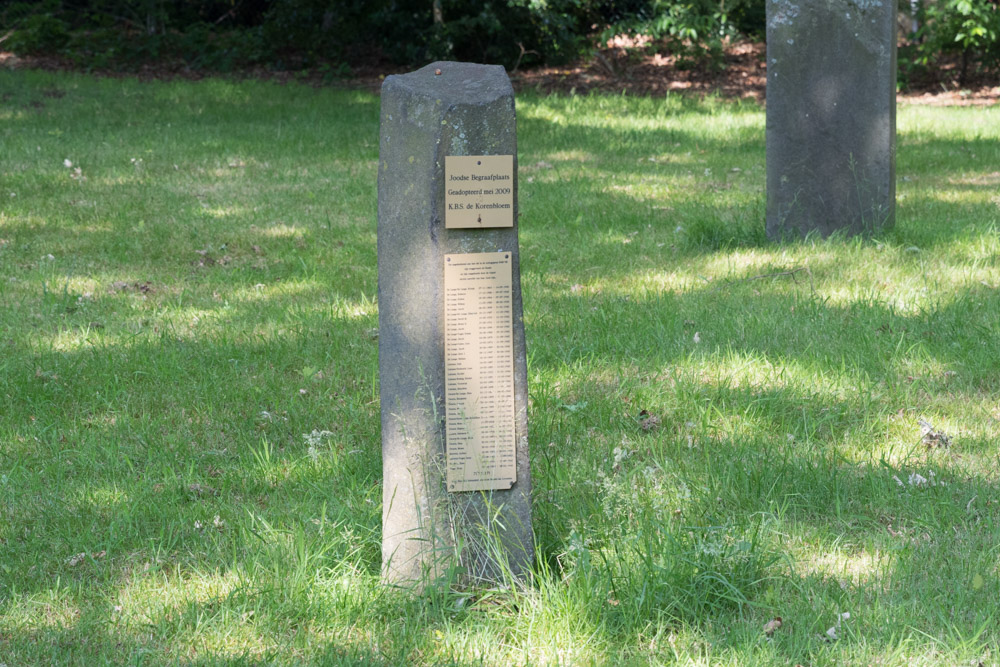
x,y
831,116
465,110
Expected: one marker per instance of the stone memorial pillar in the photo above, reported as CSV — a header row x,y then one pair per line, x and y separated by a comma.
x,y
453,375
831,116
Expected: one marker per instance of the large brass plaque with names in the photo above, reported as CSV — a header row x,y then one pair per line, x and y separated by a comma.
x,y
479,372
479,191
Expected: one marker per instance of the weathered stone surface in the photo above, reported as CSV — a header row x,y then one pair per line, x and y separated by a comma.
x,y
831,116
465,110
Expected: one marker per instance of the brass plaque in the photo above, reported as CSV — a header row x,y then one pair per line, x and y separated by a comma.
x,y
479,372
479,191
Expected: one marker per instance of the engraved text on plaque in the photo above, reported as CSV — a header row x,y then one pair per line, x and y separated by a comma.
x,y
479,191
479,372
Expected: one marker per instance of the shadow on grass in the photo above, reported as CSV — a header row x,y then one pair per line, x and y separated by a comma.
x,y
811,496
143,437
756,475
717,207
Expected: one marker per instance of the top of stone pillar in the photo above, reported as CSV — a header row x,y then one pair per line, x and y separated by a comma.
x,y
458,83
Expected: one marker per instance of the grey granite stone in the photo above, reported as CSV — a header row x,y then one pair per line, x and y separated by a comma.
x,y
465,110
831,116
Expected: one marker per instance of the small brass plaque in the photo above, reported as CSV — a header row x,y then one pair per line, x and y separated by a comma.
x,y
479,191
479,372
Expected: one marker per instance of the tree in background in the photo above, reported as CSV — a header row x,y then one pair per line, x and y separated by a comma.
x,y
970,28
333,35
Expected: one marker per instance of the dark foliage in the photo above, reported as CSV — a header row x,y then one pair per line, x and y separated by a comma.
x,y
333,35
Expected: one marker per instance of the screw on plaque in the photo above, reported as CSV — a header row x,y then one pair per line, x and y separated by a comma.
x,y
479,219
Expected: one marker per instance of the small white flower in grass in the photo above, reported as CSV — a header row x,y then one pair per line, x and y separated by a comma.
x,y
67,163
317,437
621,454
898,480
218,523
697,337
315,440
711,546
198,525
916,479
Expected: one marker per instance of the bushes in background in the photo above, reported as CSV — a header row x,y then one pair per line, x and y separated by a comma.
x,y
333,34
969,29
294,34
290,34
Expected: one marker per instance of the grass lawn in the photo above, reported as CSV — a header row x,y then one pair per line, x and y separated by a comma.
x,y
189,419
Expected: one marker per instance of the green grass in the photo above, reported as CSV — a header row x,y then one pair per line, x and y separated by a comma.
x,y
182,320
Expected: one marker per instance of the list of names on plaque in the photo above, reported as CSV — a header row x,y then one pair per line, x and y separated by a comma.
x,y
479,191
479,372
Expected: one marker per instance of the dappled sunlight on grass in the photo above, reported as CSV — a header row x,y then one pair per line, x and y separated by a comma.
x,y
724,430
566,156
982,179
73,339
54,608
230,211
691,122
964,197
112,180
281,230
102,420
854,567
